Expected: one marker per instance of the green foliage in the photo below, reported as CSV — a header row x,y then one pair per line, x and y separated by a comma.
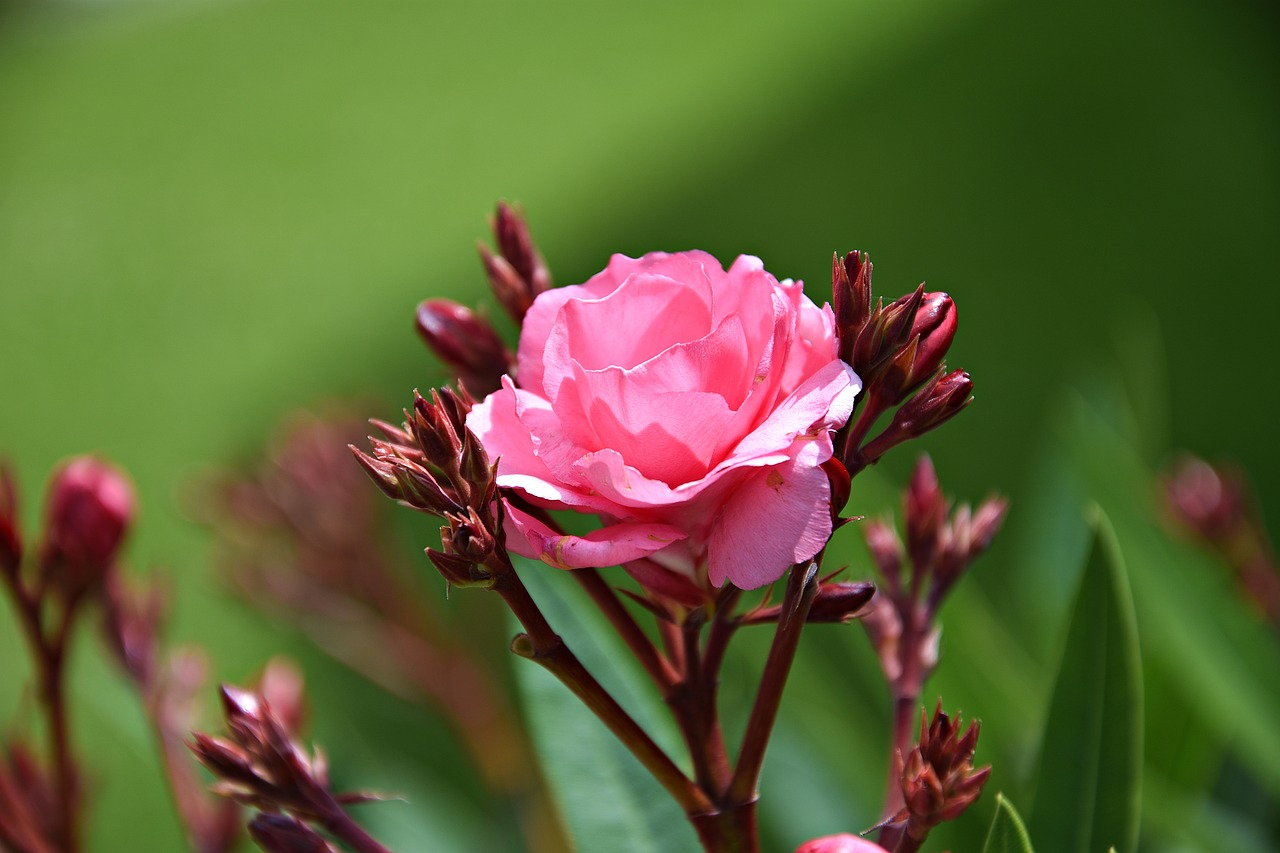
x,y
1007,834
1089,782
607,798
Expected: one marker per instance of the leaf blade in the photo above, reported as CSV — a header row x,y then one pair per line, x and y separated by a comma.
x,y
1007,833
1088,791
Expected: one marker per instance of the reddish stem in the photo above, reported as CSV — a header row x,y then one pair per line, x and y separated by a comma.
x,y
653,661
802,586
544,646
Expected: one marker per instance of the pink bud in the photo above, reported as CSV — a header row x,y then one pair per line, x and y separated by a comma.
x,y
842,843
90,506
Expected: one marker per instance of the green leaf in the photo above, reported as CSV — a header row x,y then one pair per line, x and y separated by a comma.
x,y
1089,784
1223,661
608,800
1007,834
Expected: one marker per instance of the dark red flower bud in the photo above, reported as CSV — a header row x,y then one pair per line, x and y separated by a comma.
x,y
279,833
935,326
934,405
466,343
841,484
841,602
885,335
850,298
900,318
89,509
925,511
886,550
938,777
10,533
517,273
516,244
459,570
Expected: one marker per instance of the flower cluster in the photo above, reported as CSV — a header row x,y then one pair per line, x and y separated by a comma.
x,y
711,419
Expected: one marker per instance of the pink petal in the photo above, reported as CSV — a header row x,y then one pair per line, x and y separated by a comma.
x,y
822,402
609,546
842,843
778,517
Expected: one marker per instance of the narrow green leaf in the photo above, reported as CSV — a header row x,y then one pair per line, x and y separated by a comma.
x,y
608,800
1007,834
1223,661
1089,783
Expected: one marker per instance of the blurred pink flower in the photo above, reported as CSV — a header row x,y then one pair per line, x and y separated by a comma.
x,y
842,843
688,407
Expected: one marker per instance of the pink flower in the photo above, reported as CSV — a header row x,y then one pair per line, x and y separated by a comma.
x,y
688,407
843,843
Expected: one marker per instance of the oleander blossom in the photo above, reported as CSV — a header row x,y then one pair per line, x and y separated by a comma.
x,y
689,407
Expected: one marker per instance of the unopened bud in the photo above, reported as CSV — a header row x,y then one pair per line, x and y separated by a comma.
x,y
934,405
517,273
465,342
886,550
459,570
1210,501
280,833
841,484
10,533
850,298
841,602
433,431
935,327
926,512
282,686
938,778
89,509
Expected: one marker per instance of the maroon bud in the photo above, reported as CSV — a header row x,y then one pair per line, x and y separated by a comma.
x,y
934,405
382,472
841,602
986,523
886,551
458,570
90,506
517,273
279,833
926,512
516,244
841,484
434,432
938,777
935,326
851,298
466,343
10,533
900,318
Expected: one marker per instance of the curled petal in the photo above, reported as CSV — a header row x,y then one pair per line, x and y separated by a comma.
x,y
609,546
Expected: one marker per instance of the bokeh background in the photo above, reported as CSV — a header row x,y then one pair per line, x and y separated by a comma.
x,y
213,212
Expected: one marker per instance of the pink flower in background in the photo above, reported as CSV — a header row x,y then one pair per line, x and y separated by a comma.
x,y
843,843
688,407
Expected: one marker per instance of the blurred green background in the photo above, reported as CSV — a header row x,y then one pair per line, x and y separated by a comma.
x,y
213,212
